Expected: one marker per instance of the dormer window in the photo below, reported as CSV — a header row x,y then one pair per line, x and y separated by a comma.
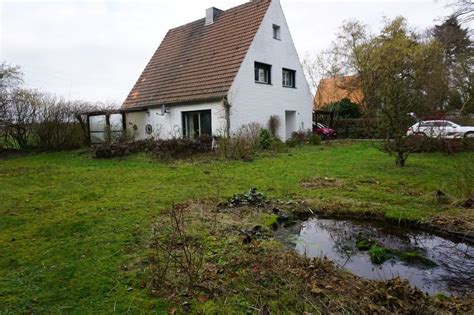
x,y
263,73
276,32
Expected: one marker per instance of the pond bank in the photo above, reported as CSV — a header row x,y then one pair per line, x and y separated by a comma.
x,y
459,226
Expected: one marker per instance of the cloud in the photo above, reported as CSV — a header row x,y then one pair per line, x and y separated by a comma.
x,y
95,50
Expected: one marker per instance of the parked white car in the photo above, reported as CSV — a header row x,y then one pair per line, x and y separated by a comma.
x,y
443,129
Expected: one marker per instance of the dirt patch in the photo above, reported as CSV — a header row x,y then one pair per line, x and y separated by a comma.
x,y
321,182
242,269
462,224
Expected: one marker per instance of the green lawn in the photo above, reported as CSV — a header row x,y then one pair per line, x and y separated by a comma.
x,y
69,224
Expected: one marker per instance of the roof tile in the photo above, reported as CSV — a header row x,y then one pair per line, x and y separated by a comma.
x,y
198,62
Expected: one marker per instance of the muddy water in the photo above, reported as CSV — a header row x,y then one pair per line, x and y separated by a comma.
x,y
453,273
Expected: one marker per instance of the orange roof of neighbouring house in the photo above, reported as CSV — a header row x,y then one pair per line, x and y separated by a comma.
x,y
333,90
196,61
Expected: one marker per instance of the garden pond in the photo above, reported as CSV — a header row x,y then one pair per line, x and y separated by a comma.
x,y
378,251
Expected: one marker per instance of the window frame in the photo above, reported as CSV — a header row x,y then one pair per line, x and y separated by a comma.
x,y
276,31
292,78
258,66
185,124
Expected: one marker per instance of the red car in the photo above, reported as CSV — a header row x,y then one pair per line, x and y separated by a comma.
x,y
323,131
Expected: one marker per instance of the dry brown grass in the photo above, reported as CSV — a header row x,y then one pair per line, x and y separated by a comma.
x,y
261,276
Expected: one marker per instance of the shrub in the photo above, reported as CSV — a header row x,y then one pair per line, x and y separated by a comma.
x,y
179,246
423,144
236,148
360,128
57,127
164,150
33,120
300,137
250,132
273,125
314,139
264,140
344,109
291,143
242,144
278,146
179,148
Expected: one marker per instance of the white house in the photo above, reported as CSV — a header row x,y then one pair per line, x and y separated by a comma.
x,y
216,74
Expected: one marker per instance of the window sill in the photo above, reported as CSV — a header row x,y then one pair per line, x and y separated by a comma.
x,y
263,83
289,87
277,39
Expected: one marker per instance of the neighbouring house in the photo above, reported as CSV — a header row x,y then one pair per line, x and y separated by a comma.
x,y
216,74
335,89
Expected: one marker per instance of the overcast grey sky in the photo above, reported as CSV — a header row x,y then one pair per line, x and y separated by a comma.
x,y
95,50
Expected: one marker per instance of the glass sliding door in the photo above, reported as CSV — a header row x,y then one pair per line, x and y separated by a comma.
x,y
197,123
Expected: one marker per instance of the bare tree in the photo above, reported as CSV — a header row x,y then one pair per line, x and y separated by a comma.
x,y
463,10
10,79
20,116
320,66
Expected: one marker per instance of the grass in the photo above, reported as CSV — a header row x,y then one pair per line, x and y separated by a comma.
x,y
70,225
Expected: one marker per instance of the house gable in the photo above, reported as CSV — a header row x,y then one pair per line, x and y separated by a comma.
x,y
255,102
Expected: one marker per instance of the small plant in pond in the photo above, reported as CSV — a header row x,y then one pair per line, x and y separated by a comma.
x,y
365,244
379,255
414,256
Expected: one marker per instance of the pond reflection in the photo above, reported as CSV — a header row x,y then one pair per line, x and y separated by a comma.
x,y
336,239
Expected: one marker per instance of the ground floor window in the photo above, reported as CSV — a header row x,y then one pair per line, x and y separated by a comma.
x,y
197,123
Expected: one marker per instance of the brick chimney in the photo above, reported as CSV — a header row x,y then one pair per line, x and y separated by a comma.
x,y
211,15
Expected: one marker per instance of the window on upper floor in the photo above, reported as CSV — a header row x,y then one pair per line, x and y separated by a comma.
x,y
276,32
288,78
263,73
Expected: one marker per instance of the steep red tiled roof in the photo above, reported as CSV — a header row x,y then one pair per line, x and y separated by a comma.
x,y
197,61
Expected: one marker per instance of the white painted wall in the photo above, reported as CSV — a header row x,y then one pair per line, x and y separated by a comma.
x,y
253,102
170,125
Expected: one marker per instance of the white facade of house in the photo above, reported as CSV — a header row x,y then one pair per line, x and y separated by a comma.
x,y
254,102
170,124
251,102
